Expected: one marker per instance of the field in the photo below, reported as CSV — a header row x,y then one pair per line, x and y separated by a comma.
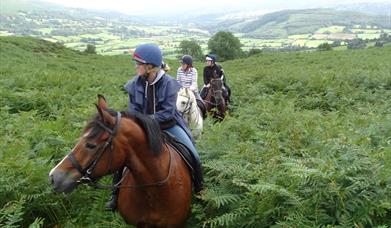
x,y
313,40
119,36
307,144
109,44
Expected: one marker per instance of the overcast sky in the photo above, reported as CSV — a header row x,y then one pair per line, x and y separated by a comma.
x,y
159,6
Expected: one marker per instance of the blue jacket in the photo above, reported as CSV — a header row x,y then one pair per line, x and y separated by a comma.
x,y
166,93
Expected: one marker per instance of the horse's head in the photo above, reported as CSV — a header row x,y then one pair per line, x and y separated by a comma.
x,y
92,157
215,99
185,100
216,86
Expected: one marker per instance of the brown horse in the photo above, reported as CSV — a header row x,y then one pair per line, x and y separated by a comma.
x,y
155,190
215,102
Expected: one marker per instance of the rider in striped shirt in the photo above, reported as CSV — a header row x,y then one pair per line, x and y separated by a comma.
x,y
187,75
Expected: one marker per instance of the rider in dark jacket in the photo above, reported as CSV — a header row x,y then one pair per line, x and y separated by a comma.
x,y
211,67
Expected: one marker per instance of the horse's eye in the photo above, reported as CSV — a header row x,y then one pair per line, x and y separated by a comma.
x,y
183,102
90,146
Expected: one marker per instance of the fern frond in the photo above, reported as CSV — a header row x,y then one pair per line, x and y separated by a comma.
x,y
227,219
220,199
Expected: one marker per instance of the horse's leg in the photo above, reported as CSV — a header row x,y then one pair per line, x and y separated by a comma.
x,y
219,111
222,108
200,122
196,121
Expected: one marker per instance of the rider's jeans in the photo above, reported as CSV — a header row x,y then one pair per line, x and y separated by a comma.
x,y
184,138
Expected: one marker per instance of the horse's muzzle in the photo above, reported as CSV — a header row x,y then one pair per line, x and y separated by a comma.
x,y
61,182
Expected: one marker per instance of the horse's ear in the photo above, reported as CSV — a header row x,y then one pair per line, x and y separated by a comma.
x,y
102,101
102,107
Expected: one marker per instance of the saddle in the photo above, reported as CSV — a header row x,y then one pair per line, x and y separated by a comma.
x,y
188,157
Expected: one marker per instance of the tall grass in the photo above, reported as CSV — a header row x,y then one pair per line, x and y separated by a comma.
x,y
308,142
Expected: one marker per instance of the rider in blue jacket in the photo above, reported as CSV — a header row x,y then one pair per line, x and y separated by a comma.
x,y
157,98
154,93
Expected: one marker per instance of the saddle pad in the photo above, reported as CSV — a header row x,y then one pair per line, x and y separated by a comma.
x,y
180,148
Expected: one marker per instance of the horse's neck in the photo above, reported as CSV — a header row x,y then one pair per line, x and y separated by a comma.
x,y
144,165
192,101
149,168
194,107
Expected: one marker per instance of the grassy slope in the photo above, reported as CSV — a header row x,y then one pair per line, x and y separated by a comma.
x,y
309,131
47,94
289,22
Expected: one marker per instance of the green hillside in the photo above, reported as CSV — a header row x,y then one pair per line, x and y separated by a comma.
x,y
114,33
12,7
306,145
281,24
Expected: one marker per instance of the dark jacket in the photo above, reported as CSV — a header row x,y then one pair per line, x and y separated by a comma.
x,y
208,72
165,91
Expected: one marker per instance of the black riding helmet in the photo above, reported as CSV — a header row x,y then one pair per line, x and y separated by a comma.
x,y
211,57
187,59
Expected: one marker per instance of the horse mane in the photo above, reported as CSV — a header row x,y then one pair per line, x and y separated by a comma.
x,y
150,126
151,129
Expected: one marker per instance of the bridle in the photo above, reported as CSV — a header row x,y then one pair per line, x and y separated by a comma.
x,y
187,106
102,147
87,171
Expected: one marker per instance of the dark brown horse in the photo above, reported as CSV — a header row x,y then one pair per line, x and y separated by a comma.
x,y
156,187
215,102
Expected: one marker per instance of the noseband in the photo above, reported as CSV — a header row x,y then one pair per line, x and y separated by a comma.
x,y
87,171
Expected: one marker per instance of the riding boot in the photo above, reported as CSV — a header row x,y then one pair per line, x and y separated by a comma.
x,y
204,92
198,177
112,203
202,107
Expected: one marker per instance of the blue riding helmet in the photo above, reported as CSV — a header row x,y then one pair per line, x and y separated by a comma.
x,y
148,54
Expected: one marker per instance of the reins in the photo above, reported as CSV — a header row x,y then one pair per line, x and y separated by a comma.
x,y
118,184
87,171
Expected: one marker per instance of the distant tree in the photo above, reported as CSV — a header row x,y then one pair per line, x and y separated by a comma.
x,y
378,44
225,45
336,43
346,30
90,49
385,37
324,47
190,47
356,44
254,51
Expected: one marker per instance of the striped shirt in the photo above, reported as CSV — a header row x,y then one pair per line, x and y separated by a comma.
x,y
188,79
